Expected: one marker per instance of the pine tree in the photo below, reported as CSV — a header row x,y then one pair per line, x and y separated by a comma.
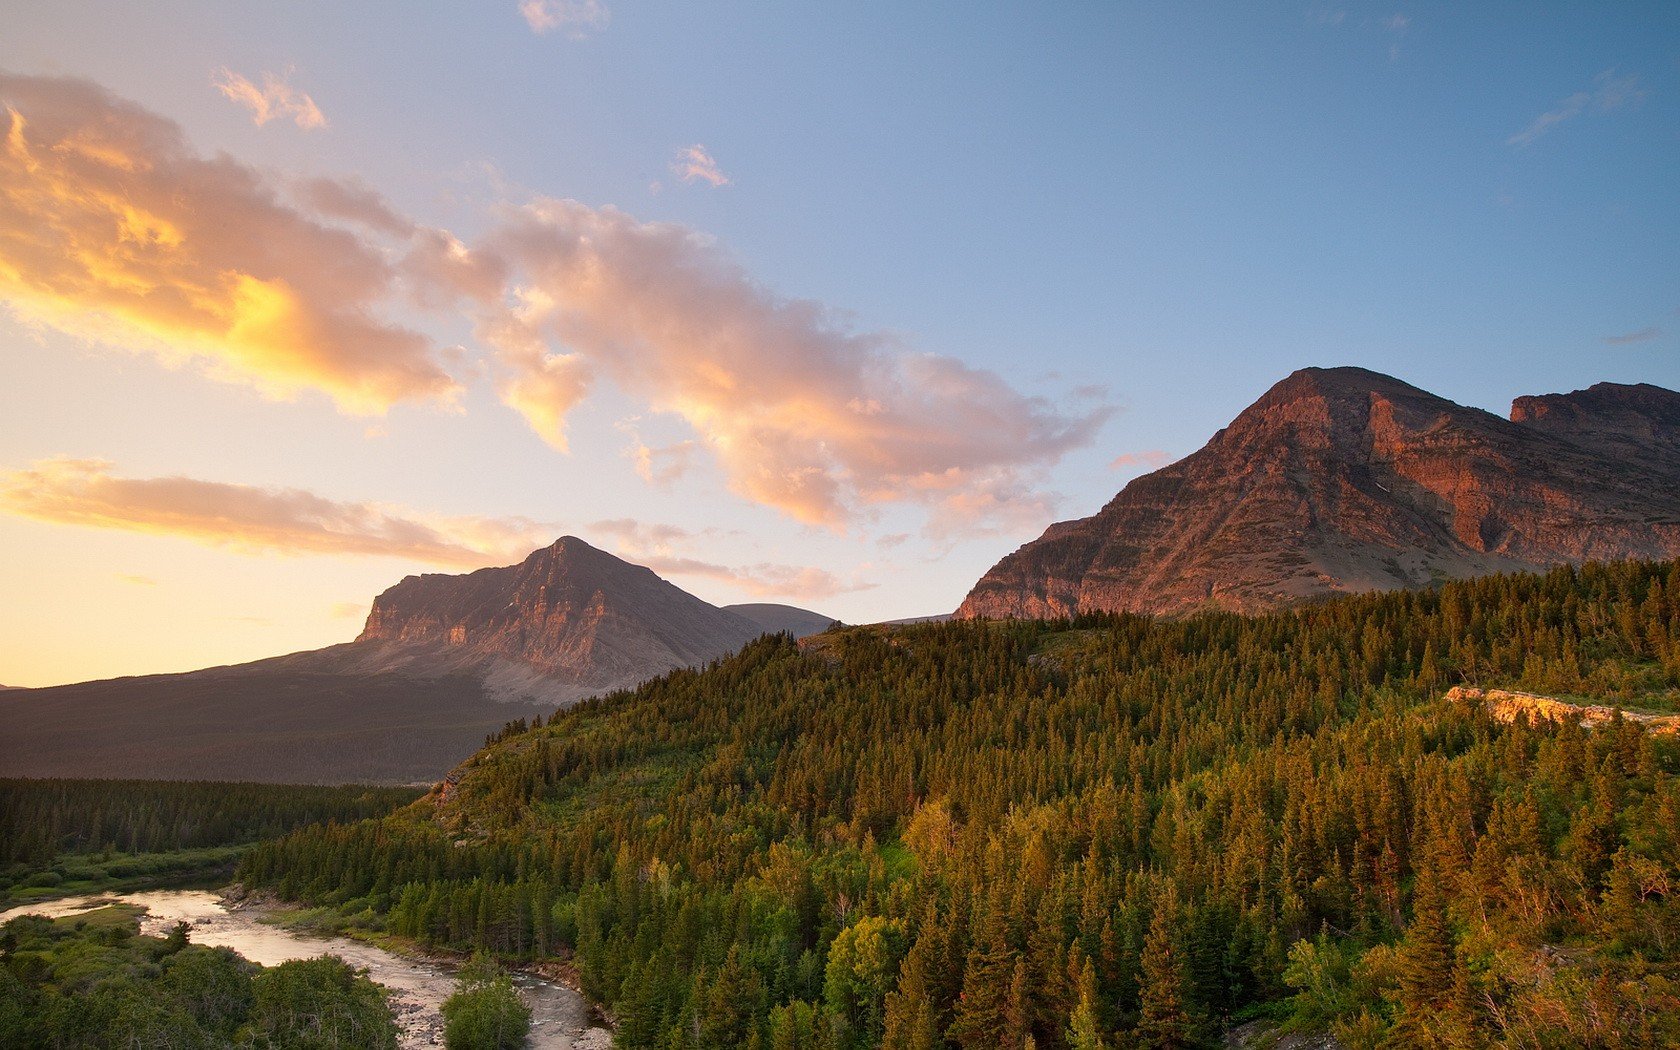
x,y
1426,959
1164,1019
1085,1026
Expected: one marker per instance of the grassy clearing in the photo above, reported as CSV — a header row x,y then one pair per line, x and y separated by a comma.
x,y
78,873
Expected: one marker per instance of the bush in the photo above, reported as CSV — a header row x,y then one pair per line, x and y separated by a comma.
x,y
485,1012
320,1002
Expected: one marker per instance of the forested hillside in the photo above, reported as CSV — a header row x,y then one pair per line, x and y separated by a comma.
x,y
61,836
1112,831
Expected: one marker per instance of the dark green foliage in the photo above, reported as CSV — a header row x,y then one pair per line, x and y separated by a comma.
x,y
92,981
1106,832
78,836
319,1004
485,1013
42,819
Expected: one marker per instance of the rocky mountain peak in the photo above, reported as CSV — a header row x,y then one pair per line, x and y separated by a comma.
x,y
1637,421
1343,479
570,613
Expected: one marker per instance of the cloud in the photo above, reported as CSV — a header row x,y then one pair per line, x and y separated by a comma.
x,y
1609,92
803,413
576,17
276,98
112,228
252,519
349,610
763,580
1152,458
354,201
138,581
661,548
694,164
1644,335
1396,24
657,465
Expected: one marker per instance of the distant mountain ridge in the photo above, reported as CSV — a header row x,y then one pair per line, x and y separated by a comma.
x,y
1343,479
442,661
569,621
778,619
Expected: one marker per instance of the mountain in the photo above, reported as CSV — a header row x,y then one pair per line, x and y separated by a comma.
x,y
567,622
777,619
1346,480
442,662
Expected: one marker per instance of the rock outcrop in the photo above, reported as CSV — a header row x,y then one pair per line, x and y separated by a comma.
x,y
1345,480
1507,705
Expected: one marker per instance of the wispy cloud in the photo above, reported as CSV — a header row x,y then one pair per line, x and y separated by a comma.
x,y
576,18
803,413
1644,335
113,228
666,549
251,518
138,581
694,164
657,465
276,98
1393,26
349,610
1396,25
1152,458
354,201
1609,92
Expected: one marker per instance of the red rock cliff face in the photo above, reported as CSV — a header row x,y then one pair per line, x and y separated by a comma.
x,y
1341,480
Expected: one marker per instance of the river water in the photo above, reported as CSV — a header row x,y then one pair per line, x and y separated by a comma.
x,y
560,1018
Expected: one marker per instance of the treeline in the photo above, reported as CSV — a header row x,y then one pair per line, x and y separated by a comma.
x,y
42,819
93,981
1112,831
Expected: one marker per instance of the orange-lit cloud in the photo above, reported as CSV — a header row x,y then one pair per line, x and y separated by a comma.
x,y
662,548
1152,458
276,98
803,413
694,164
249,518
253,519
763,580
575,17
113,228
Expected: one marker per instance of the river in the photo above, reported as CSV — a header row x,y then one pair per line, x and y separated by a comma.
x,y
560,1018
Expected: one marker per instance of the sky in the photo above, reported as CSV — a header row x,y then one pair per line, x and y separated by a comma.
x,y
824,304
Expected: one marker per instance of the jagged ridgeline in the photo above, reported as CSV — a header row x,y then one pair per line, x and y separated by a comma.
x,y
1105,831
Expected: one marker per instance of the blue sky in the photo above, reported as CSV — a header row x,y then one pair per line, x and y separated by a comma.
x,y
1157,210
